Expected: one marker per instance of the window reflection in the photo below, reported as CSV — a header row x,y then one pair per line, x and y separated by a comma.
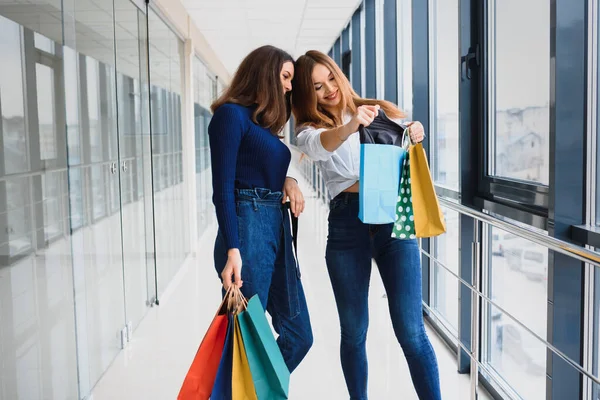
x,y
72,97
446,286
166,61
46,101
202,99
93,103
19,226
518,273
54,204
12,103
520,102
42,16
405,49
444,87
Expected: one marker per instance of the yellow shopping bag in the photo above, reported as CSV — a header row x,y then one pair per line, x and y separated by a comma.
x,y
242,385
429,220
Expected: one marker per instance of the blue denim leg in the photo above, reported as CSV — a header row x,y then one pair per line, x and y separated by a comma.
x,y
269,269
399,263
287,305
351,246
348,257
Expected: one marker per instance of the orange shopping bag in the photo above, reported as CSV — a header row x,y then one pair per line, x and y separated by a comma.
x,y
201,376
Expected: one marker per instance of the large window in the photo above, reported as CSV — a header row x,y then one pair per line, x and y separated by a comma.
x,y
444,126
517,272
594,164
445,284
405,59
519,91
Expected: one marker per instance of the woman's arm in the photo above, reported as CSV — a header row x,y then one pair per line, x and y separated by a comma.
x,y
319,144
225,135
332,139
291,190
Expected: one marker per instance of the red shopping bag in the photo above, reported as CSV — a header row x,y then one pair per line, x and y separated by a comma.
x,y
201,376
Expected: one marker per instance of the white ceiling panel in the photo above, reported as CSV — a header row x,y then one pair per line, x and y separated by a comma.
x,y
235,27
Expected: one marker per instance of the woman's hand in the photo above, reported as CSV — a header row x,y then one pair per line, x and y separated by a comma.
x,y
292,191
417,132
364,116
233,267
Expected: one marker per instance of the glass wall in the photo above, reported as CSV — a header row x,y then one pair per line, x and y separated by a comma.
x,y
170,210
90,163
37,328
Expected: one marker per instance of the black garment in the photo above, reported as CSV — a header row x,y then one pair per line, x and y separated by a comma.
x,y
382,131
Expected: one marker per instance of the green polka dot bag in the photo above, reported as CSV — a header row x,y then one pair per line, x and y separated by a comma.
x,y
404,227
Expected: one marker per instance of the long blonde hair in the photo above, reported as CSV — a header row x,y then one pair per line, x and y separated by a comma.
x,y
305,106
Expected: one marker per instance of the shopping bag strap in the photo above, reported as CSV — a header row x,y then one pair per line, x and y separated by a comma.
x,y
294,228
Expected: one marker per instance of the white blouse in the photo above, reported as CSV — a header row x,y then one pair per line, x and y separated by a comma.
x,y
340,168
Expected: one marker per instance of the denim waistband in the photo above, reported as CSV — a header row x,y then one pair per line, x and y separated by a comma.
x,y
259,195
346,197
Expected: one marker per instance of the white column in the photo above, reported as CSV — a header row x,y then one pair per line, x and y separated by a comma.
x,y
189,146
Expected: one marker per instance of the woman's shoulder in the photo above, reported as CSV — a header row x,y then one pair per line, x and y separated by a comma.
x,y
229,117
233,109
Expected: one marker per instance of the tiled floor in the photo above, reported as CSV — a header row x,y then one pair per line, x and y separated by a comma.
x,y
155,362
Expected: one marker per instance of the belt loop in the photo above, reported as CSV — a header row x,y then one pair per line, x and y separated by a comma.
x,y
255,204
346,201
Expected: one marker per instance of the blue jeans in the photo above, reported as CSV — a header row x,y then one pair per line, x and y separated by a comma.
x,y
351,246
270,269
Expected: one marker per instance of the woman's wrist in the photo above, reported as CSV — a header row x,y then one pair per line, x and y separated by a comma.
x,y
345,131
233,252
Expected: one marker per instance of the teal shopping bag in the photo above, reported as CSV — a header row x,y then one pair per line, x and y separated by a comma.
x,y
380,166
269,372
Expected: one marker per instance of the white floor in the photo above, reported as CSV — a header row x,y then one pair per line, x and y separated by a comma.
x,y
156,361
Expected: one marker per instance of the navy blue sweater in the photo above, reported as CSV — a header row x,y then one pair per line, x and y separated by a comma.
x,y
244,155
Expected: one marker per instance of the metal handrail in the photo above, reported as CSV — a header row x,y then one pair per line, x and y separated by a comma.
x,y
485,367
560,246
485,298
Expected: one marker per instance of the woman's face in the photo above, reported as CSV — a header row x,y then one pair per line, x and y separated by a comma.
x,y
328,93
286,75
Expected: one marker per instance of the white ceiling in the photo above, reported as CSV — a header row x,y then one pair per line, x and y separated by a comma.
x,y
235,27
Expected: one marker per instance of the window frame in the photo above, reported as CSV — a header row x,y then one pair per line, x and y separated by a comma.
x,y
528,202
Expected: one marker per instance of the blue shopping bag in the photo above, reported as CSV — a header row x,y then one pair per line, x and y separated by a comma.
x,y
269,372
222,387
380,166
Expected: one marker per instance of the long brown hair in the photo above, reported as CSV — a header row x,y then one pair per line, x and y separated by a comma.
x,y
257,82
305,106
